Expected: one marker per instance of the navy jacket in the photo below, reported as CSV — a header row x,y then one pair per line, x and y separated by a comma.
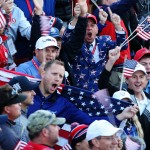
x,y
62,108
8,137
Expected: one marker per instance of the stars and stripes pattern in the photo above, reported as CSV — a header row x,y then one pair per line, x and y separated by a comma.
x,y
67,147
2,20
46,22
143,30
20,145
129,67
6,75
94,104
63,138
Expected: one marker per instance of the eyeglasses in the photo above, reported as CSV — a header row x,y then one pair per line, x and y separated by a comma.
x,y
110,138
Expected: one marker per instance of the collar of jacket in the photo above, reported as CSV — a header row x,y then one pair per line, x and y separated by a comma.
x,y
132,92
52,97
10,122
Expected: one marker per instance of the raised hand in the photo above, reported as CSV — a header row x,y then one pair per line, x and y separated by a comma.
x,y
38,6
120,144
83,7
115,19
8,6
128,112
114,54
102,16
77,10
1,2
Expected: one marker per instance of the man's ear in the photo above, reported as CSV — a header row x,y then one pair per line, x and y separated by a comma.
x,y
95,142
45,132
96,29
78,144
6,109
42,73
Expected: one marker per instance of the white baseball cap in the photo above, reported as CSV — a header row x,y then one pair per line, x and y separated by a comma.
x,y
121,95
101,128
140,67
46,41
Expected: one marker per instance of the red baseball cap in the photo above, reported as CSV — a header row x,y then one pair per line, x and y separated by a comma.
x,y
90,16
140,53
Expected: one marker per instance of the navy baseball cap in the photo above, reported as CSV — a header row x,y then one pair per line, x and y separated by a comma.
x,y
58,24
3,119
22,84
9,96
54,32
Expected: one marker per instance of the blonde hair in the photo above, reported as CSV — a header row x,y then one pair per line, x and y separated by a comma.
x,y
138,126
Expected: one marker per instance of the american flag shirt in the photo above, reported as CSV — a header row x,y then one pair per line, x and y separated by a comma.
x,y
85,70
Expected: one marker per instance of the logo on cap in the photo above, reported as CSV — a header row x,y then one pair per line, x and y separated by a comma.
x,y
48,40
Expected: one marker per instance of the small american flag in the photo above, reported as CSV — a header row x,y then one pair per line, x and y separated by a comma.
x,y
20,145
46,23
64,133
143,30
129,67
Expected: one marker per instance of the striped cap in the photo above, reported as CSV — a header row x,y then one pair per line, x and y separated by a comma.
x,y
77,134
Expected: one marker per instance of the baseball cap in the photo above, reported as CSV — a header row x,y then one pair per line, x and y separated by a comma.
x,y
101,128
3,119
22,83
42,118
140,67
77,134
9,96
58,24
140,53
46,41
121,95
54,32
90,16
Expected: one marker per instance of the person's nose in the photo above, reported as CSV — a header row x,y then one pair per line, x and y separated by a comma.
x,y
33,92
115,140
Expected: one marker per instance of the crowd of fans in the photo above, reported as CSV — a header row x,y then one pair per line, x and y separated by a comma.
x,y
75,43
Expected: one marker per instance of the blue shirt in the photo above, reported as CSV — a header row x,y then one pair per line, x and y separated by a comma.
x,y
8,137
29,68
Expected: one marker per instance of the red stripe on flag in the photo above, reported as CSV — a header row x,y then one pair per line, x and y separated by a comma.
x,y
20,145
57,147
64,133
